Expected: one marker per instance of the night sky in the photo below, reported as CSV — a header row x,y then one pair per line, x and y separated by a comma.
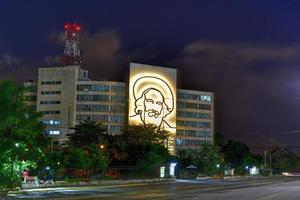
x,y
246,52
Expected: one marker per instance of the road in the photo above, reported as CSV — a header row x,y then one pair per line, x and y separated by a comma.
x,y
260,189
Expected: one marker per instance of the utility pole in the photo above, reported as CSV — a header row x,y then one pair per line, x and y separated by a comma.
x,y
265,158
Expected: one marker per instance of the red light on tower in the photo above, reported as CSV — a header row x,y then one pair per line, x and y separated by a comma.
x,y
72,51
76,27
67,26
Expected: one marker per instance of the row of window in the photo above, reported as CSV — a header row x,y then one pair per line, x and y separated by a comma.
x,y
50,102
193,106
194,96
101,118
51,122
50,92
53,132
51,82
191,142
51,112
194,133
194,115
194,124
102,88
102,98
31,88
100,108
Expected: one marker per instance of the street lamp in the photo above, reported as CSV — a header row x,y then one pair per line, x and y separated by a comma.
x,y
247,167
17,145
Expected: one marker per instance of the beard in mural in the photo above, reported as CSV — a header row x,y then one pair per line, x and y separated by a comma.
x,y
151,106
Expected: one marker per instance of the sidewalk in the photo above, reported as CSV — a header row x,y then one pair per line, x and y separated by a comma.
x,y
107,182
64,184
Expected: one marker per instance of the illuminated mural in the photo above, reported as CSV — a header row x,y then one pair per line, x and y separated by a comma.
x,y
151,105
152,97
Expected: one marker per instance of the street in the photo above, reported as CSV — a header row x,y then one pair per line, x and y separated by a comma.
x,y
261,189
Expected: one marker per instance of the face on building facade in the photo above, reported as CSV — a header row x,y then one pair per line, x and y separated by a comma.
x,y
151,107
152,97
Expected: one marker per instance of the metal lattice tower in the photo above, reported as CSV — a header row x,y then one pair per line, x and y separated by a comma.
x,y
72,51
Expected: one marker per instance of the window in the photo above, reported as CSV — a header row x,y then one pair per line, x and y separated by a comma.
x,y
118,99
204,107
194,124
49,102
194,96
117,88
103,88
194,133
189,142
117,109
99,118
194,115
205,98
53,132
30,98
50,92
204,115
51,82
92,108
116,118
204,124
181,105
191,105
51,122
102,98
47,112
31,88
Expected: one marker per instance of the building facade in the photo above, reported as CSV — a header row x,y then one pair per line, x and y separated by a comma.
x,y
102,101
195,118
66,96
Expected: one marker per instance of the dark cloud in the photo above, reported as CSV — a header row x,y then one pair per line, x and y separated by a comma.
x,y
16,68
255,86
53,60
100,52
8,60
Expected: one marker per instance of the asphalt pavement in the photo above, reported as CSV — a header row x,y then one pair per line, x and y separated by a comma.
x,y
284,188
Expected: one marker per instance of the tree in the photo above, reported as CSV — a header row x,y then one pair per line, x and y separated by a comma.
x,y
87,148
22,142
219,140
139,145
186,157
206,158
235,152
87,132
149,133
284,159
252,160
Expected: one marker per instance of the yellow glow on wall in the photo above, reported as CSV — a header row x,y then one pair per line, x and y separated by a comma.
x,y
152,97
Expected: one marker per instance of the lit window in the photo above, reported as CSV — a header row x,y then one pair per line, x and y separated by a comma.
x,y
52,132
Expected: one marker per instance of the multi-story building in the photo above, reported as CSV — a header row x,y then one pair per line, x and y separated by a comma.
x,y
102,101
66,96
195,118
